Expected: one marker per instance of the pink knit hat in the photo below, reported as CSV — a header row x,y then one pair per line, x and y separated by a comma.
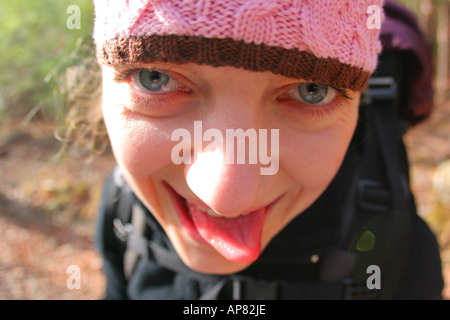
x,y
326,41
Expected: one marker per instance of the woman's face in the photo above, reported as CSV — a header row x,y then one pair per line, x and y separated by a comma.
x,y
220,203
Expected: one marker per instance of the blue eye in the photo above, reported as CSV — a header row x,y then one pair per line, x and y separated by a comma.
x,y
313,93
153,81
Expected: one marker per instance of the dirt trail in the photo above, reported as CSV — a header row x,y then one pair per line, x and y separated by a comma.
x,y
47,217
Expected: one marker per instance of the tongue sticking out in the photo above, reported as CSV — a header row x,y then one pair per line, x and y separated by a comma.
x,y
237,239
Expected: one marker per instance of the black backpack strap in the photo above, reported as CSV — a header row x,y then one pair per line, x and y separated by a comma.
x,y
394,227
107,240
135,231
116,202
383,192
379,206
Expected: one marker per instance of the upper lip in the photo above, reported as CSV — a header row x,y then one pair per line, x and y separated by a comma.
x,y
203,205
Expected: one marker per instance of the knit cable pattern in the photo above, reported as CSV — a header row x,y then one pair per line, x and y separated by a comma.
x,y
331,31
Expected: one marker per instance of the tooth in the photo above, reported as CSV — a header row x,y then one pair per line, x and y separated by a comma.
x,y
212,213
215,214
201,209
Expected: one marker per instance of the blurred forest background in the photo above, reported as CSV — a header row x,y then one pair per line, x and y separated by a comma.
x,y
50,185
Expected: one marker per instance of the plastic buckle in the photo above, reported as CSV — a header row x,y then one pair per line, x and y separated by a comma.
x,y
380,88
122,231
373,196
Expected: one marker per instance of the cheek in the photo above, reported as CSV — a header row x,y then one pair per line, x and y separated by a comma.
x,y
140,146
313,159
313,165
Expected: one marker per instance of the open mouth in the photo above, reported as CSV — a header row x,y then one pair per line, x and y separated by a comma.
x,y
238,239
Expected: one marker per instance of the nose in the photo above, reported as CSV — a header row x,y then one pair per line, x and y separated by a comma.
x,y
228,187
225,174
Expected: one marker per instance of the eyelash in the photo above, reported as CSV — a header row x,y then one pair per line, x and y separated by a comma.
x,y
342,92
314,111
121,76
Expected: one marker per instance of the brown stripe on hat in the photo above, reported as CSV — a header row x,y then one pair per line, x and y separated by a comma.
x,y
216,52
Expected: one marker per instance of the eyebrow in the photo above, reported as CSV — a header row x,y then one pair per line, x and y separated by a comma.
x,y
185,67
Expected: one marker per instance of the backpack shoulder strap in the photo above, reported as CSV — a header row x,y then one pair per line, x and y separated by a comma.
x,y
377,213
135,239
121,216
115,203
384,191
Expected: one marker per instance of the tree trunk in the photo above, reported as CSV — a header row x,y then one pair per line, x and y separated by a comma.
x,y
442,54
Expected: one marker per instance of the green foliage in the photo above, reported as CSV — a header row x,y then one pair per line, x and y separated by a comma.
x,y
36,45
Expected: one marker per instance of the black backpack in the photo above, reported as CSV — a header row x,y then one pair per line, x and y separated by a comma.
x,y
357,241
